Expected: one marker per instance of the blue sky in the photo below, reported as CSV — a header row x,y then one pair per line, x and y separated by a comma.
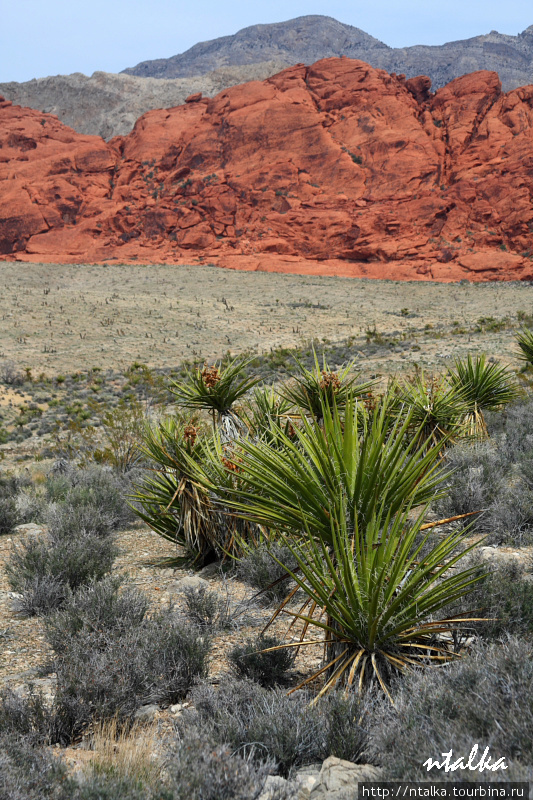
x,y
52,37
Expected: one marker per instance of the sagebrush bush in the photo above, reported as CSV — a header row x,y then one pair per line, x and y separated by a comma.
x,y
95,487
509,518
477,477
65,521
9,515
266,724
266,668
505,598
201,769
45,570
207,608
106,673
259,569
28,773
102,606
486,698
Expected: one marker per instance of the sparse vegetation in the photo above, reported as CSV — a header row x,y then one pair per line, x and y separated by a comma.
x,y
326,493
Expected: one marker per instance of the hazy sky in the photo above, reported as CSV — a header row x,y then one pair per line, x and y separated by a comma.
x,y
53,37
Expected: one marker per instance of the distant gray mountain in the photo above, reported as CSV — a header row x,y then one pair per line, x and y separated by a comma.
x,y
301,40
307,39
108,104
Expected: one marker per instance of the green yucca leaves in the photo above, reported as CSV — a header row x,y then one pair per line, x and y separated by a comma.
x,y
376,595
298,485
482,387
436,409
524,340
313,389
215,388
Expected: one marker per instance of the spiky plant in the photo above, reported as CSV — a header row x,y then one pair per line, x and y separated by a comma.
x,y
168,499
312,389
267,413
376,596
524,340
216,389
353,459
341,498
179,508
482,387
436,410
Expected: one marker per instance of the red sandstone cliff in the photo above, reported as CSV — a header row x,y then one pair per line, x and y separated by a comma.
x,y
336,168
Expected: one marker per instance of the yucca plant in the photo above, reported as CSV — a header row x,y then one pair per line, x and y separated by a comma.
x,y
168,499
524,340
216,389
179,508
376,596
354,460
313,389
267,413
482,387
436,409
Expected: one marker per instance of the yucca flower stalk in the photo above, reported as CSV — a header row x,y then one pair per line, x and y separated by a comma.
x,y
354,459
482,387
436,409
216,389
313,389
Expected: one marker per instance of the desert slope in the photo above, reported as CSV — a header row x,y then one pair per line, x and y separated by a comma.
x,y
336,168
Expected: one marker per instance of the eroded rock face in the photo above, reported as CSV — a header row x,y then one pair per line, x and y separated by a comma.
x,y
336,168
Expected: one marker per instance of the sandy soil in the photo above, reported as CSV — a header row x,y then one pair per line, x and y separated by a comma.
x,y
62,318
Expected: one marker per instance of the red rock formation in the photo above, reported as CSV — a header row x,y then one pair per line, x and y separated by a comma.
x,y
336,168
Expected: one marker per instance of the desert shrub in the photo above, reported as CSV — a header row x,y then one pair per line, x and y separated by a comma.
x,y
207,608
9,515
34,773
98,488
98,607
30,506
44,571
113,672
111,786
512,428
503,598
26,716
9,374
266,668
476,479
506,598
259,569
509,517
66,521
485,699
27,773
201,769
266,724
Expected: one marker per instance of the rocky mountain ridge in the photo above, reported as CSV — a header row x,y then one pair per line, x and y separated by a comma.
x,y
108,105
310,38
337,168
